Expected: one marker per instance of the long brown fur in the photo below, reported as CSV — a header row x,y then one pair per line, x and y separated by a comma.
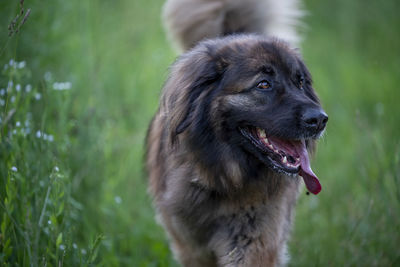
x,y
220,204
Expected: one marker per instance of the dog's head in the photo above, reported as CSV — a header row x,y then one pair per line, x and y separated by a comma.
x,y
250,97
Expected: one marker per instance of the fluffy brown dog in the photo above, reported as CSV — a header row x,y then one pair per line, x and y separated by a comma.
x,y
236,120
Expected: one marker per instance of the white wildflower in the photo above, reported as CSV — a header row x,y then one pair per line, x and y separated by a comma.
x,y
18,87
47,76
62,86
75,246
118,199
11,63
56,169
12,99
10,85
14,132
14,169
17,124
48,222
2,102
28,88
2,91
21,64
38,96
62,247
83,251
50,138
38,134
56,86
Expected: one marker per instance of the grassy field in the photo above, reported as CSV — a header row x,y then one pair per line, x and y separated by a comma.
x,y
79,83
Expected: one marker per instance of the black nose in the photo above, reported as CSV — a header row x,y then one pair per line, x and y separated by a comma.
x,y
315,119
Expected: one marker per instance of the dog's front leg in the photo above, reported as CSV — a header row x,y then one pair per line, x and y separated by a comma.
x,y
248,252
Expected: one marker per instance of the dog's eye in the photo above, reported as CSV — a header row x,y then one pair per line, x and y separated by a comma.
x,y
263,85
301,82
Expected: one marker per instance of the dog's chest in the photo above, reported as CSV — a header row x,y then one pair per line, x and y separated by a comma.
x,y
242,220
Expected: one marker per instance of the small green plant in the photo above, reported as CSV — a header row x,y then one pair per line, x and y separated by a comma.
x,y
36,207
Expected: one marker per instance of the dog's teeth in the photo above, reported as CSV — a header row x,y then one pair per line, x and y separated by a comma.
x,y
261,133
292,165
284,160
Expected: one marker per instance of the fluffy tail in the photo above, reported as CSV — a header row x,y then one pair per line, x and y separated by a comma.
x,y
190,21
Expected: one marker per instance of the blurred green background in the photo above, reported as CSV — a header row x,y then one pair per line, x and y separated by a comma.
x,y
79,84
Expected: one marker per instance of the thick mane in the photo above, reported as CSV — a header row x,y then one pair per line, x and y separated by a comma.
x,y
193,115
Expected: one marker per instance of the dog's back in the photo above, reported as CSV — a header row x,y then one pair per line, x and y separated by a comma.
x,y
190,21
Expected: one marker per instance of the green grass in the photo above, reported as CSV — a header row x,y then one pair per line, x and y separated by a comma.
x,y
77,195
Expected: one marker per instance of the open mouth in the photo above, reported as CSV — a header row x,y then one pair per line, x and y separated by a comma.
x,y
287,156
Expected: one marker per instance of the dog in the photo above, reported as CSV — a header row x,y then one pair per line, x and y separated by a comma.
x,y
237,122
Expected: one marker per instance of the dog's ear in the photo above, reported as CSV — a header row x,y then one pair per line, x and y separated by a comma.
x,y
192,77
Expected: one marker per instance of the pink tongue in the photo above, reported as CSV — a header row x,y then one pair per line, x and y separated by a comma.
x,y
310,179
